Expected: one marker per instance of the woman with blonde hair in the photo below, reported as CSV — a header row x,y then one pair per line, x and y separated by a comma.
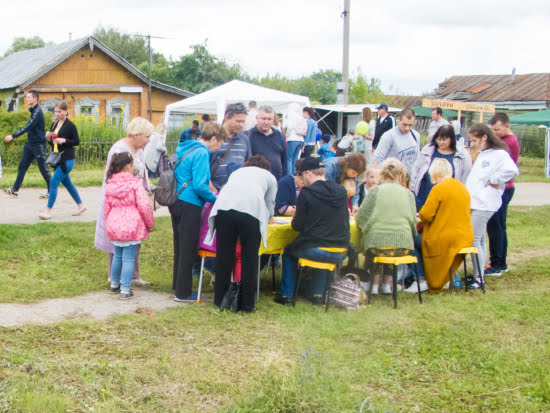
x,y
447,225
387,219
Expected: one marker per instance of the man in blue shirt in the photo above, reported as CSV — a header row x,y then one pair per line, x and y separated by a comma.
x,y
35,147
191,133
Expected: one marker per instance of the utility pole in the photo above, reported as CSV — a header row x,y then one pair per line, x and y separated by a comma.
x,y
345,63
150,51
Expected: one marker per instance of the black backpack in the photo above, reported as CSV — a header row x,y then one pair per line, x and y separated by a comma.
x,y
166,192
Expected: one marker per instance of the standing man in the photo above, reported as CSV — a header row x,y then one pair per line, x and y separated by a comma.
x,y
191,133
35,147
496,227
250,121
235,151
311,134
436,123
322,220
384,123
269,142
401,142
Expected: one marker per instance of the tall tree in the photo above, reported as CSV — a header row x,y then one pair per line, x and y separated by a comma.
x,y
131,48
23,43
363,90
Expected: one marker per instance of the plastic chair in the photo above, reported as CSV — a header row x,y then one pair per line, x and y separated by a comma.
x,y
203,254
475,260
269,263
303,262
395,261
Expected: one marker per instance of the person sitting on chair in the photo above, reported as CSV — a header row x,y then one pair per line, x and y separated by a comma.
x,y
322,220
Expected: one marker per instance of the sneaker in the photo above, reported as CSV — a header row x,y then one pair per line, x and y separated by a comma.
x,y
285,300
365,285
374,289
11,192
140,281
386,289
492,272
473,283
504,269
79,211
114,290
44,217
193,297
413,289
126,295
318,300
44,196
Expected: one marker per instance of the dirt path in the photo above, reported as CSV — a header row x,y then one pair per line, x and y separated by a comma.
x,y
98,305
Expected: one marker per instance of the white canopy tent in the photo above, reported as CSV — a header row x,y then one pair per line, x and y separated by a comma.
x,y
215,100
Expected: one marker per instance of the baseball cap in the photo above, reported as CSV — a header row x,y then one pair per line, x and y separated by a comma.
x,y
311,163
382,106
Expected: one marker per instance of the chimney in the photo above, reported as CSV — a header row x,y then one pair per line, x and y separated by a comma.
x,y
513,78
70,36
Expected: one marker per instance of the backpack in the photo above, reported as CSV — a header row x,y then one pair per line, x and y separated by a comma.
x,y
301,126
166,192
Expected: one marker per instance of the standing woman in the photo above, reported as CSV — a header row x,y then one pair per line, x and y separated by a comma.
x,y
492,169
369,137
62,137
192,177
154,150
243,210
444,146
295,141
138,133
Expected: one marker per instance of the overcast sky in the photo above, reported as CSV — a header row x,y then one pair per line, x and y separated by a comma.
x,y
411,46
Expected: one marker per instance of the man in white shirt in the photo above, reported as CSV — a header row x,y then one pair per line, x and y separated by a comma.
x,y
436,123
250,121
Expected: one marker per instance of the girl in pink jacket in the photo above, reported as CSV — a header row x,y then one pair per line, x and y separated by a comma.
x,y
128,219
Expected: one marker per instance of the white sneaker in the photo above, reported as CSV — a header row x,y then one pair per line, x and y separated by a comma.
x,y
413,289
365,285
386,289
140,281
374,289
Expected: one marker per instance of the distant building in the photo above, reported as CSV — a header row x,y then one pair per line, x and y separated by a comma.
x,y
93,79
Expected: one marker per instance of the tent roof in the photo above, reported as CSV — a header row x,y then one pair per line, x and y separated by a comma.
x,y
353,108
541,117
427,112
234,91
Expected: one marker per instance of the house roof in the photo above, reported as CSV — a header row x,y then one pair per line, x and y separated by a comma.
x,y
21,69
496,88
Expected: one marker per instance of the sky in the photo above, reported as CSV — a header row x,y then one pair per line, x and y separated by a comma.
x,y
410,46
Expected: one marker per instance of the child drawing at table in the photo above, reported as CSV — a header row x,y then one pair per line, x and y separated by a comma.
x,y
128,220
350,185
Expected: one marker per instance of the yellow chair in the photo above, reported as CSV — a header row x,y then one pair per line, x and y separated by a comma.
x,y
475,260
395,261
203,254
304,262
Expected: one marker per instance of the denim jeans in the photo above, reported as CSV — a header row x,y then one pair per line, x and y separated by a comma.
x,y
417,270
290,268
496,230
123,266
479,225
292,155
60,177
30,152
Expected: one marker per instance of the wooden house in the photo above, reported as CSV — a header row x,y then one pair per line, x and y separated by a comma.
x,y
93,79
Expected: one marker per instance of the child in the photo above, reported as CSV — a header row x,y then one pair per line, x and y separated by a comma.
x,y
372,178
128,219
325,151
349,184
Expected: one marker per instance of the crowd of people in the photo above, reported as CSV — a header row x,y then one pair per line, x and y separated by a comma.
x,y
231,181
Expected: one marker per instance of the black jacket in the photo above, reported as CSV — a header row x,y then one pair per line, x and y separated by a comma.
x,y
322,216
68,131
34,128
381,128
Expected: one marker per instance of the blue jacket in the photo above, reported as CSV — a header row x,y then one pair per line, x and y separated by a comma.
x,y
186,134
35,127
311,133
325,151
195,165
333,174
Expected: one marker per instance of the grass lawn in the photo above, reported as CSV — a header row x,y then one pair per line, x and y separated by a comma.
x,y
81,175
453,353
531,170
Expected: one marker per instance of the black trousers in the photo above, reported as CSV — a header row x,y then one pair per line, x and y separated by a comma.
x,y
186,221
231,225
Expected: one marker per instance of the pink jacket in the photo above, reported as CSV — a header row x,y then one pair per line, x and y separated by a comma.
x,y
128,214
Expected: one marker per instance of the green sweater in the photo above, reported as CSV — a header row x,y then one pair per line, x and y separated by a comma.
x,y
387,217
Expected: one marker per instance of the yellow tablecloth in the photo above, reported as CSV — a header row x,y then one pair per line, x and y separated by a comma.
x,y
280,234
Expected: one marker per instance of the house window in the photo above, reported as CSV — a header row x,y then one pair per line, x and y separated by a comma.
x,y
48,105
118,110
87,107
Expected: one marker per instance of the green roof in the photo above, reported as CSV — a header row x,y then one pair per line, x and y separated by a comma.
x,y
541,117
427,112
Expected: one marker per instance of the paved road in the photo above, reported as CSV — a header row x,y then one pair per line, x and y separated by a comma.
x,y
25,209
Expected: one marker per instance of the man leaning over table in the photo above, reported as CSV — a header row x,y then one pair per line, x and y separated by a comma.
x,y
321,220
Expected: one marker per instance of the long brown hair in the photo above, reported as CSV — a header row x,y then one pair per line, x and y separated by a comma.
x,y
118,163
367,115
479,129
355,161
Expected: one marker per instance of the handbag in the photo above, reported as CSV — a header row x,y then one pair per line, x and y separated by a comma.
x,y
54,158
347,292
230,300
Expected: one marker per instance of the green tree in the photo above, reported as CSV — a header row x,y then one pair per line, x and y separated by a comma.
x,y
363,90
131,48
23,43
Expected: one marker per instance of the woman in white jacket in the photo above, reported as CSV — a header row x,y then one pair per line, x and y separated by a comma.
x,y
154,149
490,172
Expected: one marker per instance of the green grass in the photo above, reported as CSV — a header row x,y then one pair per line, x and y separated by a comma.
x,y
81,175
453,353
531,170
